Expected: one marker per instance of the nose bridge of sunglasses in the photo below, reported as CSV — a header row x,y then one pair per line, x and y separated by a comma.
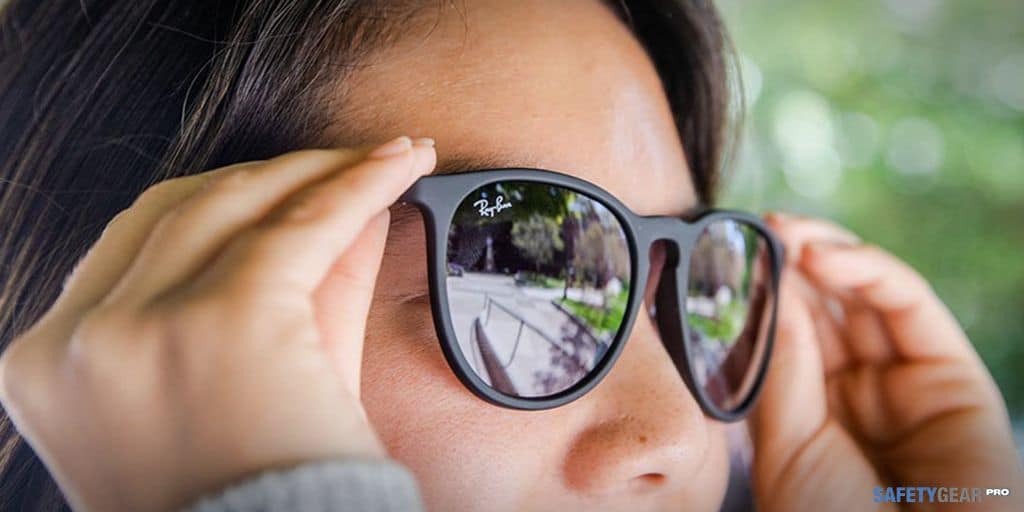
x,y
665,237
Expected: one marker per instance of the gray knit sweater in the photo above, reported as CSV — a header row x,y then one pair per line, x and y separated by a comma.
x,y
347,485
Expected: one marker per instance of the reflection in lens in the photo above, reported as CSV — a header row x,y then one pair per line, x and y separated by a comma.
x,y
538,281
729,305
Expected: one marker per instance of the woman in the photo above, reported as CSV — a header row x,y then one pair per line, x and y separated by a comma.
x,y
272,317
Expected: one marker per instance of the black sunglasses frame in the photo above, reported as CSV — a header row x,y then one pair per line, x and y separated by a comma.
x,y
438,197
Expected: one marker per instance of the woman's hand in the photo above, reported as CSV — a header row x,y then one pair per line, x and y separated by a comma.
x,y
215,330
872,384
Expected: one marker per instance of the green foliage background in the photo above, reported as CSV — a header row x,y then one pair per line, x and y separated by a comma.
x,y
903,120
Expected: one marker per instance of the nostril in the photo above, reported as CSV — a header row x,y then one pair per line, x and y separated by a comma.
x,y
647,482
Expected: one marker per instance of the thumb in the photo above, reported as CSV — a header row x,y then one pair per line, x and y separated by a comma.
x,y
342,301
792,406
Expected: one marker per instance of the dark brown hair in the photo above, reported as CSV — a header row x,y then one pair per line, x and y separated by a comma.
x,y
100,99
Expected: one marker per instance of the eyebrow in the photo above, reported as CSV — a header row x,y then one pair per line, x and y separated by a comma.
x,y
456,163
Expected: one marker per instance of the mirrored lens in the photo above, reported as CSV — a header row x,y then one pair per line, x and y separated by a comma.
x,y
538,281
729,307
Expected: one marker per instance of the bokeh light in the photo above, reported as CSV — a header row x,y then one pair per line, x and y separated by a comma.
x,y
903,120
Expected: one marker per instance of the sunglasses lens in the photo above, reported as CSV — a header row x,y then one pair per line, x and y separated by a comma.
x,y
729,306
538,281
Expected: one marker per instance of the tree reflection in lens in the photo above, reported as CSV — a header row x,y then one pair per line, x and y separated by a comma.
x,y
538,284
728,303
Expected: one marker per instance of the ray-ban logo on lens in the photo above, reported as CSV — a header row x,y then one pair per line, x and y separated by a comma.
x,y
488,211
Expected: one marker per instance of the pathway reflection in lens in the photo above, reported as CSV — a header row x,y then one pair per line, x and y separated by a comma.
x,y
728,305
538,281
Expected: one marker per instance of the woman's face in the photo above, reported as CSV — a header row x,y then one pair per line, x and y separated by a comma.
x,y
556,85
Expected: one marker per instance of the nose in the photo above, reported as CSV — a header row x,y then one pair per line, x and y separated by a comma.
x,y
647,431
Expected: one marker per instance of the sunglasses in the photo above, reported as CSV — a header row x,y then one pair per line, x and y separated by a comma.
x,y
536,279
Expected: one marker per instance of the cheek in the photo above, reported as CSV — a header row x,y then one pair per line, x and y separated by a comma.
x,y
403,367
458,446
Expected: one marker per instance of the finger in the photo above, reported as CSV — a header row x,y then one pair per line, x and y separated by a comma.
x,y
112,254
792,406
850,332
796,231
342,302
839,319
188,236
918,322
845,337
868,339
834,351
292,250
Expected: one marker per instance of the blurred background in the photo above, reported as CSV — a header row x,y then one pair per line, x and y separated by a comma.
x,y
903,120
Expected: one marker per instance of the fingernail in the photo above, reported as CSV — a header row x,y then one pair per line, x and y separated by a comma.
x,y
393,147
777,216
423,141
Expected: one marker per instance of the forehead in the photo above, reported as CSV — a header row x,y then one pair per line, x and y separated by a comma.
x,y
560,85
